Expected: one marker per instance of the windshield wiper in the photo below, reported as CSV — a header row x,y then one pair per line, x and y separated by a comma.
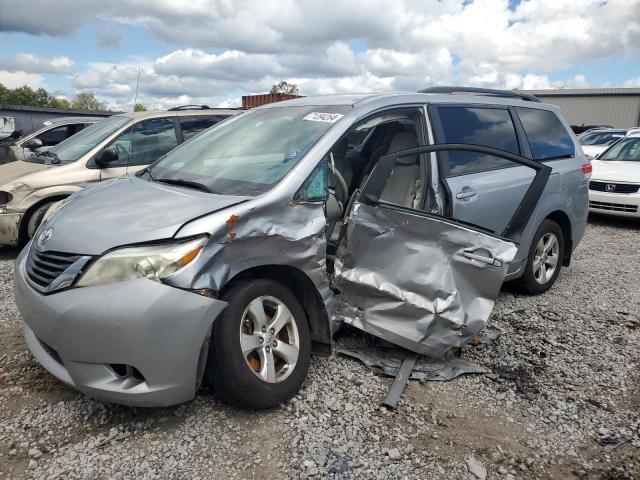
x,y
148,171
185,183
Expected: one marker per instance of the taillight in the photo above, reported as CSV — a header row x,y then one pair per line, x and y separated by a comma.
x,y
587,168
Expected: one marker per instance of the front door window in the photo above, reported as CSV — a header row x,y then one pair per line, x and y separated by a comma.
x,y
144,143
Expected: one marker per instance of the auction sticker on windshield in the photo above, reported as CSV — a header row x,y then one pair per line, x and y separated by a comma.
x,y
323,117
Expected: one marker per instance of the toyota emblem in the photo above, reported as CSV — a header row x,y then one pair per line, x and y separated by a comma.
x,y
45,236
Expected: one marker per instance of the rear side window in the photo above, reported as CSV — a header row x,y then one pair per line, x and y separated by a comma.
x,y
487,127
193,125
547,136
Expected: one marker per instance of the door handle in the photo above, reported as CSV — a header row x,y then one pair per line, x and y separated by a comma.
x,y
481,258
466,193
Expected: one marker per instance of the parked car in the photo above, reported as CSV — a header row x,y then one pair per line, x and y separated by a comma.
x,y
242,250
44,136
580,129
594,142
113,147
614,188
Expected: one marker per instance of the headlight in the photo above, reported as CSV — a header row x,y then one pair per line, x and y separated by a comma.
x,y
154,262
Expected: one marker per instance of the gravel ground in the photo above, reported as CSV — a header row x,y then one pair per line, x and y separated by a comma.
x,y
562,401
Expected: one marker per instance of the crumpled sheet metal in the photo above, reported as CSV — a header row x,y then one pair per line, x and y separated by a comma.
x,y
285,233
422,295
387,361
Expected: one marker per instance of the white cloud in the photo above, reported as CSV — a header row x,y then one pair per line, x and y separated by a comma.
x,y
18,79
222,48
632,82
27,62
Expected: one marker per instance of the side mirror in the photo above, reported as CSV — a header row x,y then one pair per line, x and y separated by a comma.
x,y
33,144
105,157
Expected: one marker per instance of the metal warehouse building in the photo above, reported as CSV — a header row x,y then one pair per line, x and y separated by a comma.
x,y
618,107
29,117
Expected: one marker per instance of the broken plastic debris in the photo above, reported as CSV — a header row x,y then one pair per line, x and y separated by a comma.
x,y
387,361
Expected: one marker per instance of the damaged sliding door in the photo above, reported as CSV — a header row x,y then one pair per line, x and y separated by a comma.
x,y
422,281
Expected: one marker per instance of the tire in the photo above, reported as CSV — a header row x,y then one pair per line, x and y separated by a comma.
x,y
246,381
35,219
533,280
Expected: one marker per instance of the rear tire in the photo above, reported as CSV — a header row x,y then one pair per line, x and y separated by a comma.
x,y
545,259
248,365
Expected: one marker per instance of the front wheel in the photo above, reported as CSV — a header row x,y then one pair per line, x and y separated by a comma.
x,y
260,345
545,259
35,219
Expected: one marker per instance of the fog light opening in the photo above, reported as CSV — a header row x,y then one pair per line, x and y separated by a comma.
x,y
128,374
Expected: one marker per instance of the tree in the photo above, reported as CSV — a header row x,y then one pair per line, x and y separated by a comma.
x,y
285,87
4,95
62,103
41,98
23,96
87,101
138,107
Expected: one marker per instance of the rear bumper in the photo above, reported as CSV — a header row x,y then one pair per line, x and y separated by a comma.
x,y
618,204
9,228
84,335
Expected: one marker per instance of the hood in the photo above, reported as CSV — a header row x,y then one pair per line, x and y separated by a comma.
x,y
12,170
593,150
126,211
625,172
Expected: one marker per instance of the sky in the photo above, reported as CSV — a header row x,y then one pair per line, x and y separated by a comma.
x,y
214,51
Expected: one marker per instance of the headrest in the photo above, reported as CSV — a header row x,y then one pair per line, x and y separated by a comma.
x,y
404,141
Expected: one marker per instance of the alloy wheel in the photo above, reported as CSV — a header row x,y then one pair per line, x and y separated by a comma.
x,y
545,260
269,339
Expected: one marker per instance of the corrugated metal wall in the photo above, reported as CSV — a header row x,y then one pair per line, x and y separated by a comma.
x,y
619,112
26,118
618,107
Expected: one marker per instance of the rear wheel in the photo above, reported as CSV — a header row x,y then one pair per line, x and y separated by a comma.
x,y
260,346
545,259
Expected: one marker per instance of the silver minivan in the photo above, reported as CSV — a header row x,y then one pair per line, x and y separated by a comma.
x,y
242,251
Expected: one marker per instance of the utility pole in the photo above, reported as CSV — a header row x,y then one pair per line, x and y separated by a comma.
x,y
135,99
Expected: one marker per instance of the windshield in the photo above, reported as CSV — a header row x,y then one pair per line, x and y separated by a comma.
x,y
77,145
250,153
600,138
626,150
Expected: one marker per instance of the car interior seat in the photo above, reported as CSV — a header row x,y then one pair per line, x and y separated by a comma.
x,y
403,182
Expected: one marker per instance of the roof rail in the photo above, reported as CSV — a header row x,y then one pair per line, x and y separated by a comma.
x,y
190,107
482,91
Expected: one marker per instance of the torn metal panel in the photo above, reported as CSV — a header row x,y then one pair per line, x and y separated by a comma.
x,y
417,281
290,234
387,361
282,234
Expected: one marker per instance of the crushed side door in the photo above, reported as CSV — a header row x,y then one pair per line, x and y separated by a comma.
x,y
421,281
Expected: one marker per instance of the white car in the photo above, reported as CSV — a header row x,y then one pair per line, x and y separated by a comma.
x,y
614,188
596,141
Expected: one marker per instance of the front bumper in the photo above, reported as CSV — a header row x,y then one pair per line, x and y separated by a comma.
x,y
619,204
86,337
10,228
